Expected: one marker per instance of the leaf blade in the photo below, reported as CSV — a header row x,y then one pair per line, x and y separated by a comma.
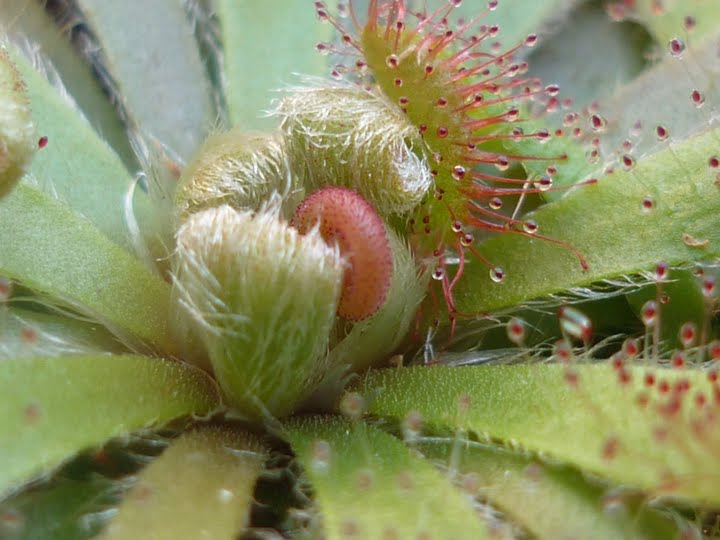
x,y
597,425
81,266
667,20
565,504
372,485
55,407
77,166
28,21
201,486
264,45
25,333
153,63
608,224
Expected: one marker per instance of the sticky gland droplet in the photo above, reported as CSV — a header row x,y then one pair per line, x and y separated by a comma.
x,y
344,217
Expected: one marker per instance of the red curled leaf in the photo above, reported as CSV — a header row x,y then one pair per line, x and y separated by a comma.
x,y
344,217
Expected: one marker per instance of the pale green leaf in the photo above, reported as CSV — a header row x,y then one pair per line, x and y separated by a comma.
x,y
200,487
265,44
590,56
47,247
53,408
666,19
564,503
150,55
367,484
27,20
76,166
25,333
662,97
608,224
583,416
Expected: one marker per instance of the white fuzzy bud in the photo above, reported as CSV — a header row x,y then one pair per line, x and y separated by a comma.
x,y
345,136
263,299
238,169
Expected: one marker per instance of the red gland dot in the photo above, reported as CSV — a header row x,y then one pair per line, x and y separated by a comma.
x,y
344,217
42,141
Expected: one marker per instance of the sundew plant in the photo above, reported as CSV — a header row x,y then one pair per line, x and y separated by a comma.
x,y
364,269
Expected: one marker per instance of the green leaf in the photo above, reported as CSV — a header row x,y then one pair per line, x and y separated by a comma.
x,y
668,21
53,408
265,44
583,416
76,166
686,304
515,18
25,333
662,97
572,60
564,503
28,21
568,155
609,226
369,485
200,487
154,66
47,247
67,509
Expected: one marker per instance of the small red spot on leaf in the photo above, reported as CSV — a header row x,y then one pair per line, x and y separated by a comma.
x,y
610,448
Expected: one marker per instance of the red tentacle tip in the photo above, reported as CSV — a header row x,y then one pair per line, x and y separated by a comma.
x,y
344,217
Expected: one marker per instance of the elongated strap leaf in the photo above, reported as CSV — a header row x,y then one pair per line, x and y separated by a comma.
x,y
162,83
29,22
653,110
52,408
572,62
662,97
667,19
662,438
368,485
76,166
47,247
201,486
67,509
265,44
564,503
663,209
515,18
25,333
